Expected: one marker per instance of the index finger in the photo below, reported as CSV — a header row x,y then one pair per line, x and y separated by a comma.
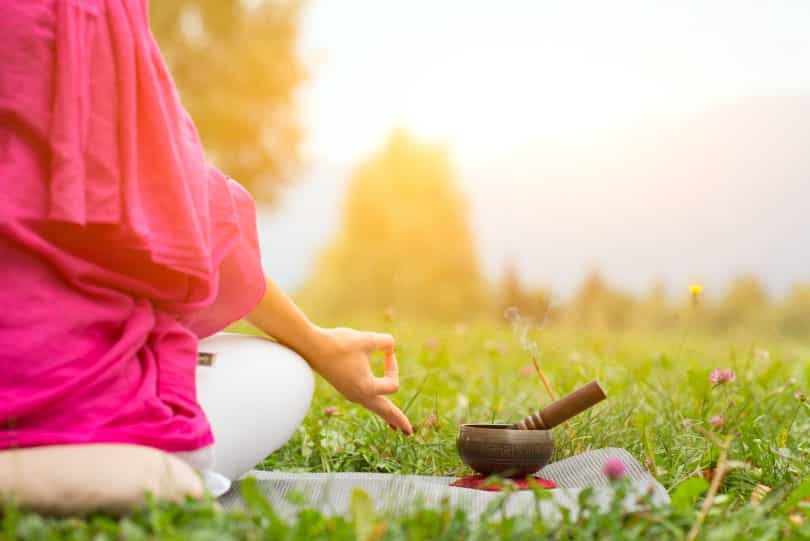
x,y
389,383
378,341
392,414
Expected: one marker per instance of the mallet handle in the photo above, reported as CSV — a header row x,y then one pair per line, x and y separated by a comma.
x,y
563,409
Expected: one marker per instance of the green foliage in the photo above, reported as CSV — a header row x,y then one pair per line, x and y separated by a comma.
x,y
237,69
404,241
688,492
597,306
205,521
362,511
659,408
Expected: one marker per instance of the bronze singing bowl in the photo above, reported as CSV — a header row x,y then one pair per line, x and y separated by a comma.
x,y
502,450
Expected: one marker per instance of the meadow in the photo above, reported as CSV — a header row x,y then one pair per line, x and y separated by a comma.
x,y
749,434
514,141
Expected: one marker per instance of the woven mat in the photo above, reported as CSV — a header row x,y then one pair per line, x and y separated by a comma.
x,y
331,492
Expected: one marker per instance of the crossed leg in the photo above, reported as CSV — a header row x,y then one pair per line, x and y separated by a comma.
x,y
255,395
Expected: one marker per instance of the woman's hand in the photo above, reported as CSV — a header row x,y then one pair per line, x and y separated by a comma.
x,y
341,356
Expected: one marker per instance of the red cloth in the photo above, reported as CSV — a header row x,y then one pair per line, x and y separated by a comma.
x,y
479,482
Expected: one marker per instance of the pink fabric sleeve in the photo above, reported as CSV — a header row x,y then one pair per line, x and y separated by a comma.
x,y
240,280
120,246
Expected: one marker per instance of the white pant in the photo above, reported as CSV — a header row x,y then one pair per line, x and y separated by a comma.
x,y
255,395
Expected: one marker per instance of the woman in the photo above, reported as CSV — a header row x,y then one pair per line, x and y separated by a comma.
x,y
121,248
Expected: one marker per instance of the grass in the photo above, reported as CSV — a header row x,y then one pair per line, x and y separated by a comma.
x,y
660,409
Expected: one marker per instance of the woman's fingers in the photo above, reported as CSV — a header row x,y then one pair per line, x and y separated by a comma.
x,y
378,341
389,383
390,413
386,385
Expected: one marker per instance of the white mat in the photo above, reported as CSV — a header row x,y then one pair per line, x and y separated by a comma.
x,y
331,493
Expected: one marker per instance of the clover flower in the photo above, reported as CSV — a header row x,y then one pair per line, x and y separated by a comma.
x,y
719,376
717,421
614,469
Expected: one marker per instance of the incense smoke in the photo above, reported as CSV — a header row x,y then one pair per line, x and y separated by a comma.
x,y
521,326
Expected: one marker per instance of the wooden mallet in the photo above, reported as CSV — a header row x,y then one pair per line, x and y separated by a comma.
x,y
563,409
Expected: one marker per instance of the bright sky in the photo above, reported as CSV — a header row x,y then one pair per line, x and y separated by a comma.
x,y
483,76
523,89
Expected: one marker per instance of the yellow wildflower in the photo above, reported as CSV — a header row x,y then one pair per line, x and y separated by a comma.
x,y
695,291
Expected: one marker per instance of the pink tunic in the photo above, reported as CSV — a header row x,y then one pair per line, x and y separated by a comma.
x,y
120,246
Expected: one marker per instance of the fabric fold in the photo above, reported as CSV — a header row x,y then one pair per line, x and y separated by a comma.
x,y
121,149
120,245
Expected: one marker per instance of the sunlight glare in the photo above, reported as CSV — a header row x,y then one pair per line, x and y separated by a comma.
x,y
490,100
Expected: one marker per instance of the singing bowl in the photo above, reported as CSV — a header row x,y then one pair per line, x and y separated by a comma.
x,y
502,450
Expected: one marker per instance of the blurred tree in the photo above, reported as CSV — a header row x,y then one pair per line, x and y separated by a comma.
x,y
534,304
746,302
654,310
237,68
405,240
597,306
584,307
795,312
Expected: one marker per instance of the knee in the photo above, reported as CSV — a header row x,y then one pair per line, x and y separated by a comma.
x,y
284,375
255,396
295,376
